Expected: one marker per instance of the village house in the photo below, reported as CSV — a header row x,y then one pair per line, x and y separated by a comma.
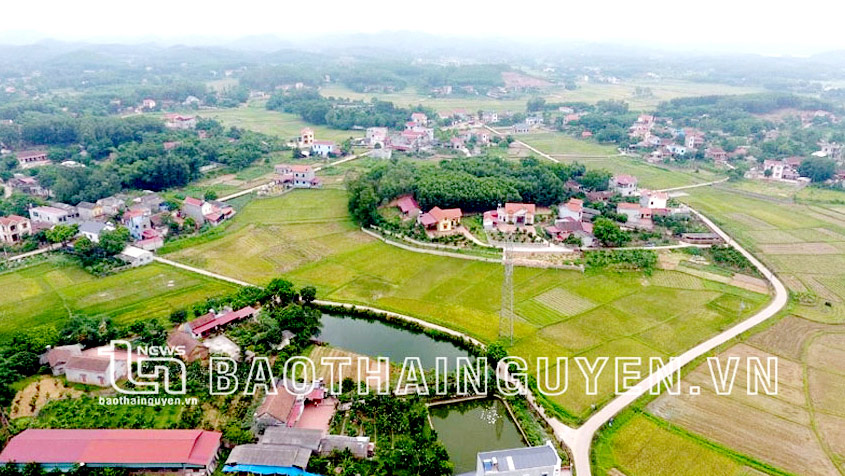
x,y
306,137
135,257
489,117
194,350
89,211
625,185
650,199
28,186
94,229
531,461
57,357
111,206
14,228
781,169
408,207
207,211
637,216
177,121
32,158
297,176
520,128
50,215
693,139
376,135
136,221
282,450
94,370
419,118
324,148
210,322
438,219
516,213
175,452
716,154
568,226
573,209
148,103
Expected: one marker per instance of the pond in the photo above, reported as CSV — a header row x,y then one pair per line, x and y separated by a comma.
x,y
378,339
467,428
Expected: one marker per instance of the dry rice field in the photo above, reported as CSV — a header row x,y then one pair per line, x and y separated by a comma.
x,y
800,428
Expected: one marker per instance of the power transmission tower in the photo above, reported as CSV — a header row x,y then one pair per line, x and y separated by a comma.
x,y
506,314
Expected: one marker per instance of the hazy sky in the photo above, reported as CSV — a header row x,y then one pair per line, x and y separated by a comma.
x,y
751,25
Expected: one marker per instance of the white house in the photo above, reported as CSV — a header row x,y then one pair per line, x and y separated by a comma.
x,y
94,229
99,371
51,215
136,257
574,209
323,148
623,184
649,199
532,461
376,135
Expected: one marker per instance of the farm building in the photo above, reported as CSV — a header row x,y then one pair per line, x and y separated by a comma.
x,y
183,452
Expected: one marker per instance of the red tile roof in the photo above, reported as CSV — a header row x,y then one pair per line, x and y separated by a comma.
x,y
135,447
193,201
278,406
12,219
511,208
441,214
407,204
87,363
625,179
223,320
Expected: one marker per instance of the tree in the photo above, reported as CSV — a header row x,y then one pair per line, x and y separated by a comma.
x,y
609,233
210,195
114,241
595,179
62,233
308,294
817,169
178,316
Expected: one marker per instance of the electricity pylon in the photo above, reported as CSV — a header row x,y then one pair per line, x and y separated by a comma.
x,y
506,314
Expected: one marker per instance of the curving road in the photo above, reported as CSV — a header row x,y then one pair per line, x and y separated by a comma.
x,y
579,440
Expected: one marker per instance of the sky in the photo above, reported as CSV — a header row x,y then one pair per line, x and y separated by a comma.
x,y
768,27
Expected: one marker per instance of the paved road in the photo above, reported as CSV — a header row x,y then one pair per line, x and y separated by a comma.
x,y
686,187
39,251
579,440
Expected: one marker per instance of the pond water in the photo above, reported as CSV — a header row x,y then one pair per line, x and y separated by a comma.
x,y
467,428
378,339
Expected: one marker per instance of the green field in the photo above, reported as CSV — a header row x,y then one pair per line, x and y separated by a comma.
x,y
307,236
48,293
559,144
256,117
586,92
663,90
801,428
569,149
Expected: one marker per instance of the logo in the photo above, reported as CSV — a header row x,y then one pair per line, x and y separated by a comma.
x,y
146,367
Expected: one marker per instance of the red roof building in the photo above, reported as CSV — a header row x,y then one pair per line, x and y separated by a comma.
x,y
209,322
182,451
407,205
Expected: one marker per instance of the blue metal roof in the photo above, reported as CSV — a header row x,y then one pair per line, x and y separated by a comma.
x,y
258,469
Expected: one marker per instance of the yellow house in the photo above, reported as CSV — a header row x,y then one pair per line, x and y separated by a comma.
x,y
306,137
438,219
